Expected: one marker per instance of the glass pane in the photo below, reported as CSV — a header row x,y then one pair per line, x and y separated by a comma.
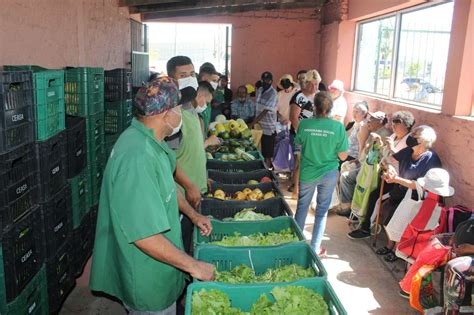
x,y
374,56
423,53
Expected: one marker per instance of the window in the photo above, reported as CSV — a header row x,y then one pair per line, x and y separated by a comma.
x,y
403,56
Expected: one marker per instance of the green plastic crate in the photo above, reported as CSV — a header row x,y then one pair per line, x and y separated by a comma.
x,y
33,299
118,116
244,296
95,138
49,100
222,228
109,143
95,173
261,258
84,91
78,194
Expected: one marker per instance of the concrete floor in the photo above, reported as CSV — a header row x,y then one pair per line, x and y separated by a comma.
x,y
363,281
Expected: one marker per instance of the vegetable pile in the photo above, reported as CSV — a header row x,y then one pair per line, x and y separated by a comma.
x,y
258,239
245,274
288,300
246,194
249,214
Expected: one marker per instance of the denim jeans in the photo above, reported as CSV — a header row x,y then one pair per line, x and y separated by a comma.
x,y
347,183
325,187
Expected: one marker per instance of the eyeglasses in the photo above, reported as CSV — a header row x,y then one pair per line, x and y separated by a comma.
x,y
396,121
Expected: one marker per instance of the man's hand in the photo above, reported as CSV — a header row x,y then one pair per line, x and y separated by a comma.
x,y
209,184
193,196
203,223
390,175
212,140
464,250
203,271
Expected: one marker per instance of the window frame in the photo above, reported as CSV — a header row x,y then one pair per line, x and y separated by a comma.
x,y
396,45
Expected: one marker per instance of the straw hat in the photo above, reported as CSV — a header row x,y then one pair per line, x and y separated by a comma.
x,y
285,76
436,181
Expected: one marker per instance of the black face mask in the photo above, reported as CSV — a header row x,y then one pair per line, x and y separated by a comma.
x,y
285,83
411,141
266,85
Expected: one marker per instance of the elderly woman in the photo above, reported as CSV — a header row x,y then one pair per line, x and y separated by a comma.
x,y
414,162
323,142
402,124
358,133
301,106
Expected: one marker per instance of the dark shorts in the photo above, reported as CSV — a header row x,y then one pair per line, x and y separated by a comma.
x,y
268,145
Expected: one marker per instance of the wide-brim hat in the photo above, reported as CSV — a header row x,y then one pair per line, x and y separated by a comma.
x,y
283,77
436,181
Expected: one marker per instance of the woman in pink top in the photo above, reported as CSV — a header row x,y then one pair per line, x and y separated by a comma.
x,y
286,90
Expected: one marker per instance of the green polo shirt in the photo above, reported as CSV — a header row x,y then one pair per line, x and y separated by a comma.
x,y
190,153
206,118
138,200
321,139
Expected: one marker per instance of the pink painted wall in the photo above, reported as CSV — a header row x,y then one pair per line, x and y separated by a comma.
x,y
277,41
455,143
62,33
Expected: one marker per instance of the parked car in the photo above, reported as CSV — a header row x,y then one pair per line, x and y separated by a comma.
x,y
410,82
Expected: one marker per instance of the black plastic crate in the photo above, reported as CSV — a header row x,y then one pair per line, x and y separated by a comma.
x,y
94,212
220,209
16,110
83,244
76,145
17,200
21,252
240,178
60,277
56,214
52,165
235,167
117,85
16,165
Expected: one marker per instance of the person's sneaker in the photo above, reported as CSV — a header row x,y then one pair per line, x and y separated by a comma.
x,y
358,234
404,294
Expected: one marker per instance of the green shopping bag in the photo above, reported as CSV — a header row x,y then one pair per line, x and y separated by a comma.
x,y
366,183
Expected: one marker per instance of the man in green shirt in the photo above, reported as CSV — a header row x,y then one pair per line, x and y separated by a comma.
x,y
207,72
138,251
323,142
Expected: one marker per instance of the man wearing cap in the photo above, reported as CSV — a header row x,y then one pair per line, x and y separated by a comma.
x,y
138,251
339,110
242,107
266,112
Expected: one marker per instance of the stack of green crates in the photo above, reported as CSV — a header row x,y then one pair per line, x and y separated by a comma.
x,y
118,116
49,100
84,96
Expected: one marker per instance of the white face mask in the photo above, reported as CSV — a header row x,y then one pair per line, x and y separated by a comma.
x,y
176,129
188,82
200,109
214,85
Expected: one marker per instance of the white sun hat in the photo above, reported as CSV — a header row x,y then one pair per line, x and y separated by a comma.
x,y
436,181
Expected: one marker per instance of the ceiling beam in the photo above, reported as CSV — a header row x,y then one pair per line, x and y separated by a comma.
x,y
169,11
134,3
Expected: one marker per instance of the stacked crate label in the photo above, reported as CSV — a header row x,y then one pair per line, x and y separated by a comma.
x,y
57,216
48,99
22,255
19,184
52,164
16,110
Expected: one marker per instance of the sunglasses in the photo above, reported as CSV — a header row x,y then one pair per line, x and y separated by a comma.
x,y
396,121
